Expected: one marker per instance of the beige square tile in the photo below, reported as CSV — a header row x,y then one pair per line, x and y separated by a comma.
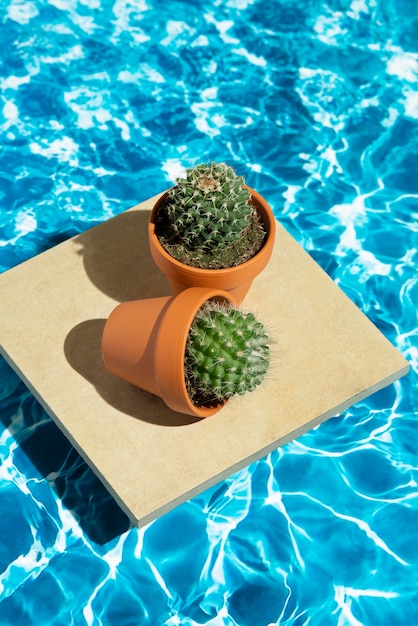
x,y
328,356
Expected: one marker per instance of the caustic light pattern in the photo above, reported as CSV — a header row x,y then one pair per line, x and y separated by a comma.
x,y
102,105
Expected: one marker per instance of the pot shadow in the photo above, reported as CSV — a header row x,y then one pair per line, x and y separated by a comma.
x,y
82,348
118,262
117,258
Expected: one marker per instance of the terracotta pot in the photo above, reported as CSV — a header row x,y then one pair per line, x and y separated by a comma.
x,y
144,343
236,280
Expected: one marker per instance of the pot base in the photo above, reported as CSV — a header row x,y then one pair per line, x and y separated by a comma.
x,y
128,341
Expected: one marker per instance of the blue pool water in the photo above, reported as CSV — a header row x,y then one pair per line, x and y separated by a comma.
x,y
316,103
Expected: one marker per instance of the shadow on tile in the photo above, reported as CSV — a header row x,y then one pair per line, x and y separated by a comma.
x,y
117,259
83,352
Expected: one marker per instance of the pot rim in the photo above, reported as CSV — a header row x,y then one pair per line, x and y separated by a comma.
x,y
173,331
253,265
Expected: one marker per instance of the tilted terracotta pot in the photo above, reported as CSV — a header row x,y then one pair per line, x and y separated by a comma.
x,y
236,280
144,343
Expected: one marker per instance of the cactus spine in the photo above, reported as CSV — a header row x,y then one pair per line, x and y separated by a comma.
x,y
208,220
227,353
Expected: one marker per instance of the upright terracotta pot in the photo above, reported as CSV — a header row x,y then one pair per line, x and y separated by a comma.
x,y
236,280
144,343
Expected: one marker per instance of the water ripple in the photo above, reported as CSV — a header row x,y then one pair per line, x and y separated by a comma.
x,y
101,105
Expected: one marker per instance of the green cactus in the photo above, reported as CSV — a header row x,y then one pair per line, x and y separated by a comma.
x,y
227,353
208,220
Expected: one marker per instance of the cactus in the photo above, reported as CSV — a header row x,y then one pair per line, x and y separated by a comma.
x,y
227,353
208,220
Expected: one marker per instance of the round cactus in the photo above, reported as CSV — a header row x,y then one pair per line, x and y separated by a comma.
x,y
227,353
208,220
